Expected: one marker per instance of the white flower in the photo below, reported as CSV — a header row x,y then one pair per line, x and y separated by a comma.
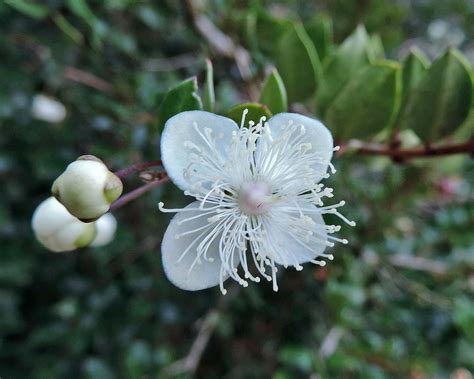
x,y
106,227
258,198
47,109
58,230
87,188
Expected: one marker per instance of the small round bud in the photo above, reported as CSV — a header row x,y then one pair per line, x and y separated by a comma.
x,y
87,188
106,227
48,109
58,230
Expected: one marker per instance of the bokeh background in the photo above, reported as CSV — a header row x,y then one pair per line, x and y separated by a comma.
x,y
397,302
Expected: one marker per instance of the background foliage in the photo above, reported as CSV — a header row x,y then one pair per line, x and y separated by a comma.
x,y
397,302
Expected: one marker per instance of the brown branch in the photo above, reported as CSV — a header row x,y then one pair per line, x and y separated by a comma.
x,y
410,262
223,45
407,153
88,79
189,364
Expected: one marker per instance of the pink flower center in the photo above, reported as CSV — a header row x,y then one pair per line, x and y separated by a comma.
x,y
255,198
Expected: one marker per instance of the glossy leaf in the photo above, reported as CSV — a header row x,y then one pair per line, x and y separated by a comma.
x,y
267,30
442,99
255,112
320,30
29,8
375,48
415,67
298,64
274,93
182,97
209,98
349,58
368,103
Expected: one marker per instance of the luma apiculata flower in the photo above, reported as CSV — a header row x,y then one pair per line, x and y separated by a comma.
x,y
259,200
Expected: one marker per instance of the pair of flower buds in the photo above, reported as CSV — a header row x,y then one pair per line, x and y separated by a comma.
x,y
76,215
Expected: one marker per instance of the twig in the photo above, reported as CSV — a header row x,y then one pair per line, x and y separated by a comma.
x,y
406,153
88,79
410,262
137,193
190,362
330,342
224,46
136,167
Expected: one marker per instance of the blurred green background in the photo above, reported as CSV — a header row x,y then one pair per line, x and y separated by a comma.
x,y
397,302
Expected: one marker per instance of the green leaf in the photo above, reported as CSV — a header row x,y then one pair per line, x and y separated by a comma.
x,y
81,9
274,93
209,98
67,28
463,316
99,28
349,58
320,30
375,48
28,8
441,100
255,112
182,97
267,30
298,63
415,67
368,103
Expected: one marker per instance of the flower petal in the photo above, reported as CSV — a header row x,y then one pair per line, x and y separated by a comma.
x,y
180,129
316,133
292,248
206,272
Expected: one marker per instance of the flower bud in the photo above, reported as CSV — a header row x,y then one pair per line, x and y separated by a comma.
x,y
58,230
48,109
87,188
106,227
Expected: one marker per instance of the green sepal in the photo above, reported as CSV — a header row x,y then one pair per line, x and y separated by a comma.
x,y
255,112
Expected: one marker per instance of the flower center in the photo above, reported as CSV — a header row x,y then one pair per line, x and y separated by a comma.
x,y
255,198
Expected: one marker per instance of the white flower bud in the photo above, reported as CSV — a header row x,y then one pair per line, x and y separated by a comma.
x,y
87,188
47,109
106,227
58,230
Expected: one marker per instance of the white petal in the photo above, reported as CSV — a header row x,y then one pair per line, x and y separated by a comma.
x,y
106,226
57,229
205,273
293,250
179,129
317,134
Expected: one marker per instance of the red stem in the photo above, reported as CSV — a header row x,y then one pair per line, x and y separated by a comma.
x,y
132,195
136,167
